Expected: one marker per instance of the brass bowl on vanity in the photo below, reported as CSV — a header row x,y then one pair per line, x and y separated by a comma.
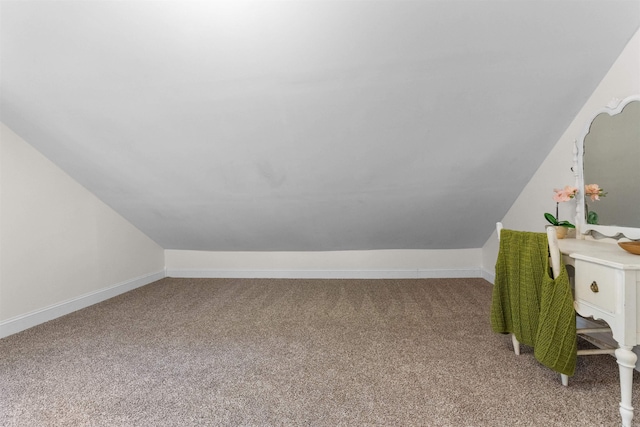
x,y
631,247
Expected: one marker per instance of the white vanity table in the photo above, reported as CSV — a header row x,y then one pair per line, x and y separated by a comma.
x,y
607,287
607,278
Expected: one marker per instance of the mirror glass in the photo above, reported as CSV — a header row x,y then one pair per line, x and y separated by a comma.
x,y
612,160
610,154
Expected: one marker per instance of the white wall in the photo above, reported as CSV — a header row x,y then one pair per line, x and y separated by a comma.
x,y
622,80
61,248
334,264
526,213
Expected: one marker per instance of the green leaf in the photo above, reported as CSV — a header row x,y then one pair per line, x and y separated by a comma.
x,y
552,219
565,224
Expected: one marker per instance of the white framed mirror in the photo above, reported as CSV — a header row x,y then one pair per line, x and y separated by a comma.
x,y
608,154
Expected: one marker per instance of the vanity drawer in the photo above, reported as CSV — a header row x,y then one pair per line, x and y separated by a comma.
x,y
596,285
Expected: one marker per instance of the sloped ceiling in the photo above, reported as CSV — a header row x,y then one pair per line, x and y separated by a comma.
x,y
305,125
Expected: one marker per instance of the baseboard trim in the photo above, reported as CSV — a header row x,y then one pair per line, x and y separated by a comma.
x,y
325,274
488,276
29,320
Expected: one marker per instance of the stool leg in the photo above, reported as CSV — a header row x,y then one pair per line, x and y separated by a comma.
x,y
516,345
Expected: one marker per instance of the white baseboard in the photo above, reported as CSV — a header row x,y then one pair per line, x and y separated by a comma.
x,y
325,274
488,276
26,321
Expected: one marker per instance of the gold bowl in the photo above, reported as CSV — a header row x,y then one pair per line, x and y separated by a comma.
x,y
631,247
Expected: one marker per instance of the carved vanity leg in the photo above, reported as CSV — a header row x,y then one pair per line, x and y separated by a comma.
x,y
626,362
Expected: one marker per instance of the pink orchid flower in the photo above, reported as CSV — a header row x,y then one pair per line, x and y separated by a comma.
x,y
594,191
564,194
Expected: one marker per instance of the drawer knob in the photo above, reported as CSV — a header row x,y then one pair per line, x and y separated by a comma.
x,y
594,287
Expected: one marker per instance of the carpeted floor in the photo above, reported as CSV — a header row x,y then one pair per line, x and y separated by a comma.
x,y
257,352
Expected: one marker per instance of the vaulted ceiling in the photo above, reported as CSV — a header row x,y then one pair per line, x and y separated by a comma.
x,y
305,125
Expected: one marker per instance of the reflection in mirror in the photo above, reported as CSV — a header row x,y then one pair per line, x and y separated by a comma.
x,y
612,160
609,155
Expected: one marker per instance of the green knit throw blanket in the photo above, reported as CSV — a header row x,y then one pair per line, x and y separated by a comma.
x,y
528,303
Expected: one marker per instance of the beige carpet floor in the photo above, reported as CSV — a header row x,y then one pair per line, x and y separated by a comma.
x,y
218,352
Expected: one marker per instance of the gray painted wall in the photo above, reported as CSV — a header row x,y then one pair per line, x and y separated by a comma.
x,y
305,126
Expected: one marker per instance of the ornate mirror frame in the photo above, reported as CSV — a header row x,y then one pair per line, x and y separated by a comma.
x,y
613,108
